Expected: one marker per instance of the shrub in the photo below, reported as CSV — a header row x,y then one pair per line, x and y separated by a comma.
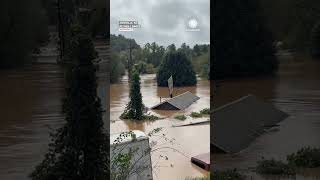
x,y
198,178
181,117
306,157
144,68
150,117
205,111
228,175
196,115
274,167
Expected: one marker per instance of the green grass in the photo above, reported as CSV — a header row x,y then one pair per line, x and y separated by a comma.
x,y
180,117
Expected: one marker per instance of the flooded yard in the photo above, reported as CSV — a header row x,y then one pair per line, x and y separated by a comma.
x,y
182,142
295,90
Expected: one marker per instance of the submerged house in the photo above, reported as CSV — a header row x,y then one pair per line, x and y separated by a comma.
x,y
180,102
237,124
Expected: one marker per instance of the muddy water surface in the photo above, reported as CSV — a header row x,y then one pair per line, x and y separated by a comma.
x,y
30,103
296,90
182,142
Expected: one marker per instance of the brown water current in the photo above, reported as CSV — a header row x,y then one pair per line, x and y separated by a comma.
x,y
30,101
182,142
295,89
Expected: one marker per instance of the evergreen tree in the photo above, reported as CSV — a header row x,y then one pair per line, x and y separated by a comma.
x,y
79,149
243,46
134,109
177,64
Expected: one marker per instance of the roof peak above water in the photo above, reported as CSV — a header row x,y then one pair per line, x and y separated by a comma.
x,y
179,102
240,122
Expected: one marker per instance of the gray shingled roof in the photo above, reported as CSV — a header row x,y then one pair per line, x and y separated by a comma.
x,y
182,101
237,124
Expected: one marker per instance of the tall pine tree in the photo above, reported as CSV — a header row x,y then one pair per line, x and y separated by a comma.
x,y
134,109
79,149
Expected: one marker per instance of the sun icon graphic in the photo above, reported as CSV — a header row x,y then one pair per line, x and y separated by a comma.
x,y
193,23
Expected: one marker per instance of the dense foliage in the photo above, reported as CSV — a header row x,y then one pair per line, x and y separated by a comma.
x,y
292,21
306,157
23,29
97,25
79,149
228,175
147,59
117,68
243,45
144,68
274,167
176,63
120,43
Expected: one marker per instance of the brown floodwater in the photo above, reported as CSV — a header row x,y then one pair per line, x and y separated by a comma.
x,y
30,101
182,142
30,104
30,107
296,90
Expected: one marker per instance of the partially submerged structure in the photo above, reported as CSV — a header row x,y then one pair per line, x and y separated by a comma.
x,y
237,124
180,102
202,160
137,144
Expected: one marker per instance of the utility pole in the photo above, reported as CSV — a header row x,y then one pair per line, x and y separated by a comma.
x,y
130,60
60,31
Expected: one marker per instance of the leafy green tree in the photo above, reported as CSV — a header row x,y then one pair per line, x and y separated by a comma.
x,y
187,50
79,149
171,47
117,68
177,64
152,54
196,50
292,22
144,68
120,43
201,65
134,109
243,44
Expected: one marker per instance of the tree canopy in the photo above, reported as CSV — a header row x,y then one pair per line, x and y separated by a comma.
x,y
148,58
243,45
292,22
176,63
